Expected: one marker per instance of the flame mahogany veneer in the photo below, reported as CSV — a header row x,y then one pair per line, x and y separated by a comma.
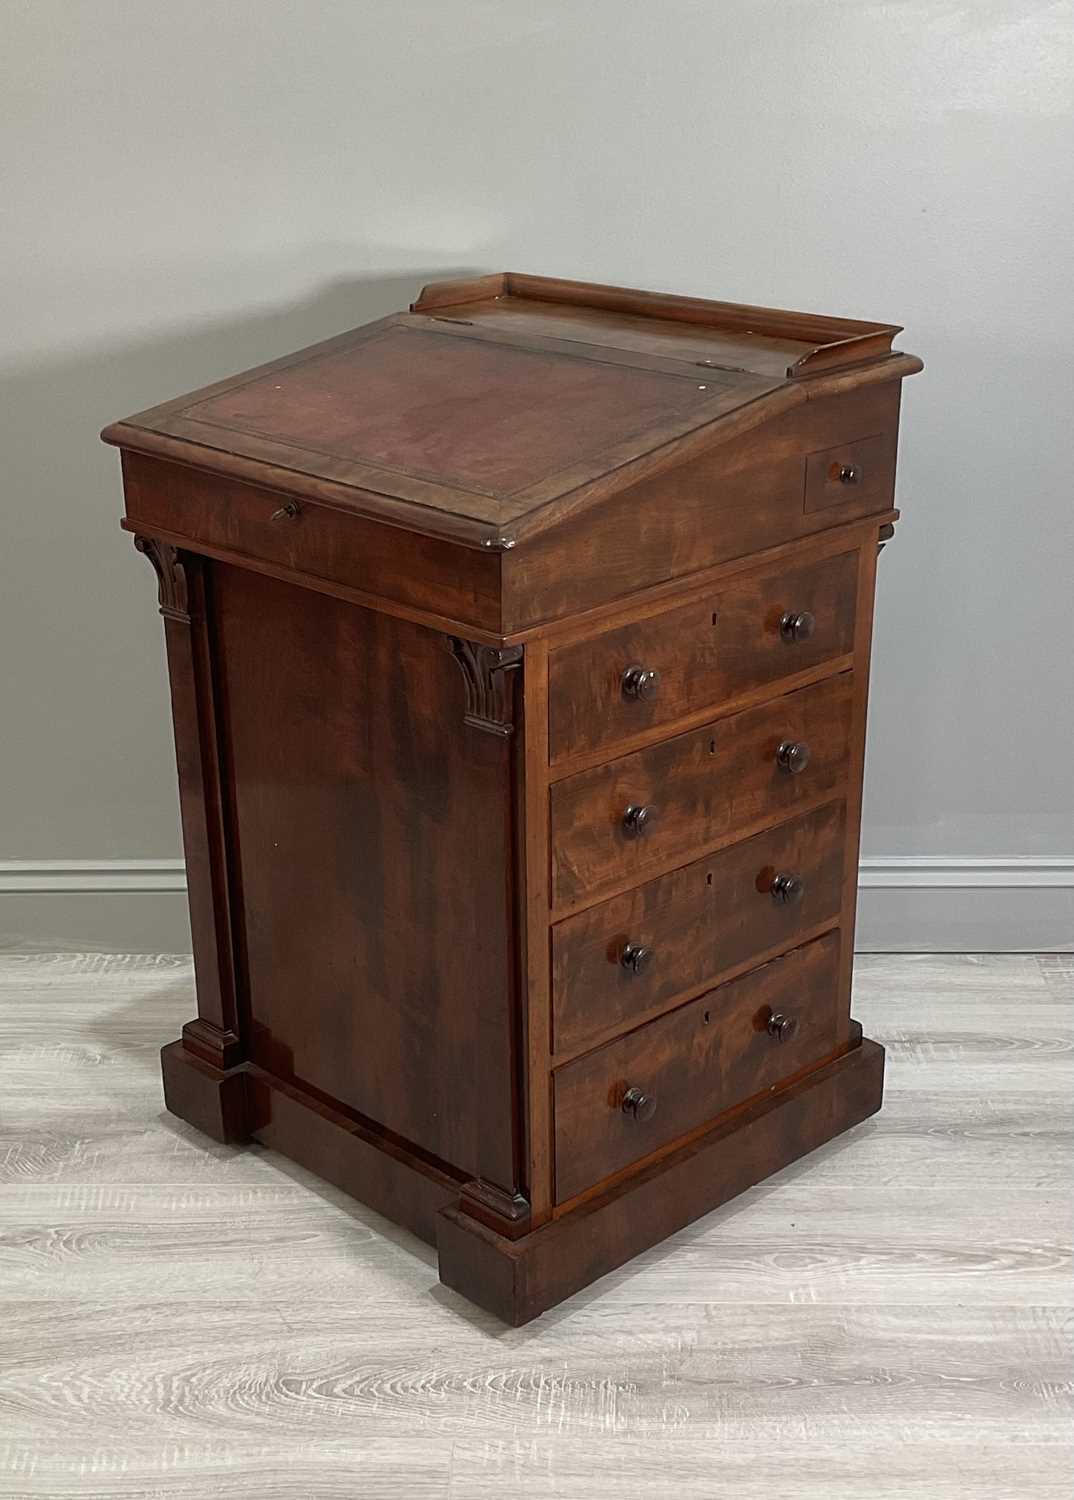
x,y
519,652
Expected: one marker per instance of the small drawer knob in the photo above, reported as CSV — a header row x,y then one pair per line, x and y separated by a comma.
x,y
641,682
635,957
782,1027
797,626
849,474
638,1104
787,889
637,820
792,757
286,512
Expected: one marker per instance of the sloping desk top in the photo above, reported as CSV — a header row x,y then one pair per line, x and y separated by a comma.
x,y
495,408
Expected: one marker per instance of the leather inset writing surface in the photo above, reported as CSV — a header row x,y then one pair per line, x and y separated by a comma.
x,y
408,400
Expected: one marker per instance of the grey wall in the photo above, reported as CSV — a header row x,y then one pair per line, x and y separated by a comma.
x,y
191,189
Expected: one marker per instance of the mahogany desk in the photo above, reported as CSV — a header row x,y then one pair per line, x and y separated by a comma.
x,y
519,652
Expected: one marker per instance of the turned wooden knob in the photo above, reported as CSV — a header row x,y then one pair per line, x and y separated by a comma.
x,y
638,1104
797,626
641,682
849,473
782,1027
635,957
787,889
792,757
638,819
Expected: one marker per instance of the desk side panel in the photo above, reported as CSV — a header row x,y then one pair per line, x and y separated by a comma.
x,y
372,848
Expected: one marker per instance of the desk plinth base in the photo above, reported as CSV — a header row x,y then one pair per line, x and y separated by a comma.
x,y
518,1279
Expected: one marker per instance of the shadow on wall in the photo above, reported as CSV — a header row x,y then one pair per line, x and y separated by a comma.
x,y
88,764
84,393
63,483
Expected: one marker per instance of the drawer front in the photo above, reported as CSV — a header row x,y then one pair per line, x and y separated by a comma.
x,y
753,631
422,572
618,960
621,823
857,476
690,1066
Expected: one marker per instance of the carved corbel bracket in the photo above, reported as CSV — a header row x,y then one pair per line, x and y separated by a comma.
x,y
886,532
485,669
173,589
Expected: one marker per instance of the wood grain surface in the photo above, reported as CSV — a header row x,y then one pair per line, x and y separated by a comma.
x,y
712,786
372,835
888,1318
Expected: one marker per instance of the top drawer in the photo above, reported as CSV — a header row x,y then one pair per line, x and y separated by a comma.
x,y
252,526
753,631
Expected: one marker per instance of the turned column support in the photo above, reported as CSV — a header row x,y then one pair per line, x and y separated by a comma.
x,y
181,587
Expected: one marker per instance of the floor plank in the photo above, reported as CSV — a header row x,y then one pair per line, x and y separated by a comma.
x,y
888,1318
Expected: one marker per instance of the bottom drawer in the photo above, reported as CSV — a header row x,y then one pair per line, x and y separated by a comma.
x,y
644,1090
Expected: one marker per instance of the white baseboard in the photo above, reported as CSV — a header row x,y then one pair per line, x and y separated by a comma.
x,y
96,875
932,904
936,904
94,905
937,873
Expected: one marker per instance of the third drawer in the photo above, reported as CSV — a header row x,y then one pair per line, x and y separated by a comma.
x,y
613,963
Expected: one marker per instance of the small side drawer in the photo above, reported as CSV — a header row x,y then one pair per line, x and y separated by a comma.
x,y
645,1090
753,631
618,960
858,476
623,822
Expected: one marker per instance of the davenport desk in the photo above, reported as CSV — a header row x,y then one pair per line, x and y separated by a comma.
x,y
519,650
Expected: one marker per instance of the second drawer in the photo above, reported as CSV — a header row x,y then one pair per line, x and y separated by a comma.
x,y
659,807
616,961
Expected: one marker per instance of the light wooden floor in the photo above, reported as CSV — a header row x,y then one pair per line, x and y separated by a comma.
x,y
888,1318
